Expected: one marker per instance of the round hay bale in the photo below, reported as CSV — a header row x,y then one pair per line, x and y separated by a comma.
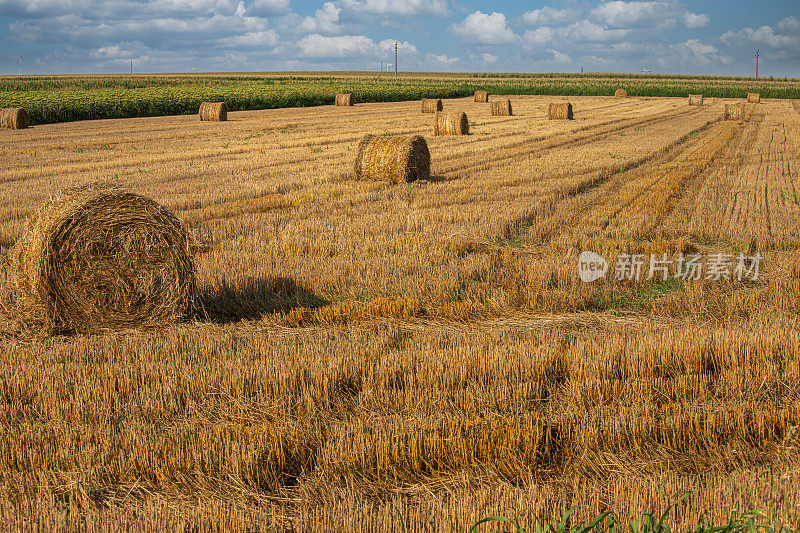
x,y
214,111
559,111
754,98
501,108
344,99
481,96
734,111
620,93
101,258
455,123
13,118
430,105
393,158
696,99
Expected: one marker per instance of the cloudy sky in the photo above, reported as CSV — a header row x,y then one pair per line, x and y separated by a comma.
x,y
671,36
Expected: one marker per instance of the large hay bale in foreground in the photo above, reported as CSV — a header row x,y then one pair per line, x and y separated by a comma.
x,y
696,99
734,111
213,111
13,118
481,96
101,258
501,108
559,111
430,105
754,98
455,123
345,99
620,93
394,158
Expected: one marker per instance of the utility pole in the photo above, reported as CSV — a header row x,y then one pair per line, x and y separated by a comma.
x,y
131,66
395,59
757,63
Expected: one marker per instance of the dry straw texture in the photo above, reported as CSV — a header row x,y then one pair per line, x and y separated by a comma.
x,y
621,93
695,99
455,123
13,118
429,351
100,258
481,96
734,111
501,108
754,98
344,99
213,111
393,158
430,105
560,111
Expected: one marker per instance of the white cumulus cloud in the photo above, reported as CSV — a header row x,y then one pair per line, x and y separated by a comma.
x,y
387,45
694,21
404,8
325,20
484,28
788,26
549,15
782,38
696,52
352,47
342,46
257,39
559,57
589,32
621,14
539,36
442,59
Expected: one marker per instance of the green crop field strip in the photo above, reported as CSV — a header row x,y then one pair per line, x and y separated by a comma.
x,y
63,99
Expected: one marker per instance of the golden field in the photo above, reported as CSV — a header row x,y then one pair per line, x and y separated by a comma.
x,y
366,351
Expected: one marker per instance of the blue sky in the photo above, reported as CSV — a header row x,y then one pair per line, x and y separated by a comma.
x,y
666,36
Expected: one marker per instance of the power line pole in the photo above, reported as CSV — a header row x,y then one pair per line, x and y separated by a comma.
x,y
395,59
757,63
131,67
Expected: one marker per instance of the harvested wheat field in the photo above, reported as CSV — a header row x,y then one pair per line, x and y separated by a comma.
x,y
366,351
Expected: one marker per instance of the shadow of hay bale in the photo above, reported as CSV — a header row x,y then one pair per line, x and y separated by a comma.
x,y
440,179
253,298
